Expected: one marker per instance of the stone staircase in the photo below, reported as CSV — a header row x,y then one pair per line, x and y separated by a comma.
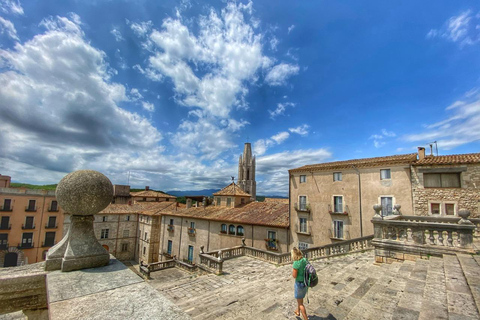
x,y
351,287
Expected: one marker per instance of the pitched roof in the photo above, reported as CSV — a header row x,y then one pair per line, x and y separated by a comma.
x,y
232,190
272,214
148,208
450,159
151,194
359,163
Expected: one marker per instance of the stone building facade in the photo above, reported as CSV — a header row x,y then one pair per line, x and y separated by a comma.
x,y
231,196
333,201
151,196
31,222
246,172
442,185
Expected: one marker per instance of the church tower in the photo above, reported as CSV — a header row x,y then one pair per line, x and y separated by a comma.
x,y
246,172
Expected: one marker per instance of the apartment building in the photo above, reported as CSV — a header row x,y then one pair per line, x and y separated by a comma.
x,y
31,222
333,201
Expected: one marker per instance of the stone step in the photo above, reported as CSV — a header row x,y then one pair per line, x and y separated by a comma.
x,y
434,302
471,271
460,302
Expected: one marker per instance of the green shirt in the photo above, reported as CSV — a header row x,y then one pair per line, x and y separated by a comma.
x,y
300,266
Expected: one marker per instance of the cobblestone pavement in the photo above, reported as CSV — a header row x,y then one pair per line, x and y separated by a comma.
x,y
351,287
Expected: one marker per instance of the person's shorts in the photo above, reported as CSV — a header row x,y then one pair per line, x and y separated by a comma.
x,y
300,290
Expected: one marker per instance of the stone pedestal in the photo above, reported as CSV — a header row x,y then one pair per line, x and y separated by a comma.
x,y
83,194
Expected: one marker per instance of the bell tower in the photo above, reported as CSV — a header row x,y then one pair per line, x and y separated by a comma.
x,y
246,172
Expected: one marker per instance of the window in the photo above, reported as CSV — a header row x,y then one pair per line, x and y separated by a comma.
x,y
27,240
271,240
303,225
449,209
54,206
303,203
3,241
104,234
239,231
5,223
169,247
229,202
104,218
49,239
302,245
337,176
126,233
441,180
171,222
387,205
303,179
31,205
231,229
223,229
29,223
338,204
144,250
385,174
338,229
127,218
141,218
435,208
219,200
146,235
124,247
7,205
192,225
52,222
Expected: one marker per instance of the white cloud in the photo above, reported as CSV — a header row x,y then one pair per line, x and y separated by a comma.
x,y
462,29
379,139
135,94
290,29
11,6
389,134
66,114
280,137
301,130
461,126
260,146
140,29
280,110
279,74
274,43
117,34
149,73
148,106
7,27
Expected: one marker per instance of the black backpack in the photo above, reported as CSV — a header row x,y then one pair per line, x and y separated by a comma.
x,y
311,278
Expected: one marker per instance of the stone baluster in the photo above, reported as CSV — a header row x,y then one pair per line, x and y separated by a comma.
x,y
440,238
431,237
450,238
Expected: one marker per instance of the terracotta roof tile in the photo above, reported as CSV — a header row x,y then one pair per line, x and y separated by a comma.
x,y
151,194
148,208
232,190
450,159
359,163
272,214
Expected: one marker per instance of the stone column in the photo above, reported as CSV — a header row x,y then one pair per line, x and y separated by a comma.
x,y
82,194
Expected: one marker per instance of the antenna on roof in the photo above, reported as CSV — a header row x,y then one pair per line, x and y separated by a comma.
x,y
431,148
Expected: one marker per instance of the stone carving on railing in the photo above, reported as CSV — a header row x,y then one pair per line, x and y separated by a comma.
x,y
377,208
82,194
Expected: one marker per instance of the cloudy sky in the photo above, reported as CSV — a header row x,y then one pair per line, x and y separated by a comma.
x,y
170,90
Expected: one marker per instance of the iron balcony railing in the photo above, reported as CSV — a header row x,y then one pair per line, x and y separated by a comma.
x,y
28,226
6,226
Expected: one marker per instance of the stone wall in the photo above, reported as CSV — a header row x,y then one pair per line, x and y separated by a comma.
x,y
466,197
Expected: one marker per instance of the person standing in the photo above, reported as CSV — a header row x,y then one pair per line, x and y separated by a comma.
x,y
299,263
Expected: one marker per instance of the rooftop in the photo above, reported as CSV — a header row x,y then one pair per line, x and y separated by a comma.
x,y
359,163
450,159
151,194
257,213
147,208
232,190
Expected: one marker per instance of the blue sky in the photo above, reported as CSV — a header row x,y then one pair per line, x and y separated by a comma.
x,y
171,90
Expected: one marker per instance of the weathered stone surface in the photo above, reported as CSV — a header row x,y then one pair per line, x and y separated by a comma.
x,y
84,192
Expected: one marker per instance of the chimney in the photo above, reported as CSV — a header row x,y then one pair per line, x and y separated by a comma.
x,y
189,203
421,153
147,188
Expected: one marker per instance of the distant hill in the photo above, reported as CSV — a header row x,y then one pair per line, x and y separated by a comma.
x,y
33,186
204,192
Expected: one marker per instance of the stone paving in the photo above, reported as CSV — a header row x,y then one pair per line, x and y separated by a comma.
x,y
351,287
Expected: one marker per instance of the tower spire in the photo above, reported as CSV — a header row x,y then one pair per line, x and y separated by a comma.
x,y
246,171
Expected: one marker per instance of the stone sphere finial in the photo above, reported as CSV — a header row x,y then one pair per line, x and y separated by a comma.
x,y
84,192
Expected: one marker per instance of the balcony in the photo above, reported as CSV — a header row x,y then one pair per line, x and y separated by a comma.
x,y
3,208
302,207
53,209
25,245
307,231
167,255
30,209
4,246
51,226
28,226
6,226
192,232
336,211
271,244
171,228
47,244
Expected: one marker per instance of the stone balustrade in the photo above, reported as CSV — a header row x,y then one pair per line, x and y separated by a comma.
x,y
211,264
410,237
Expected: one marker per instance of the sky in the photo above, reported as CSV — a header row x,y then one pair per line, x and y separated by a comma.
x,y
165,93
